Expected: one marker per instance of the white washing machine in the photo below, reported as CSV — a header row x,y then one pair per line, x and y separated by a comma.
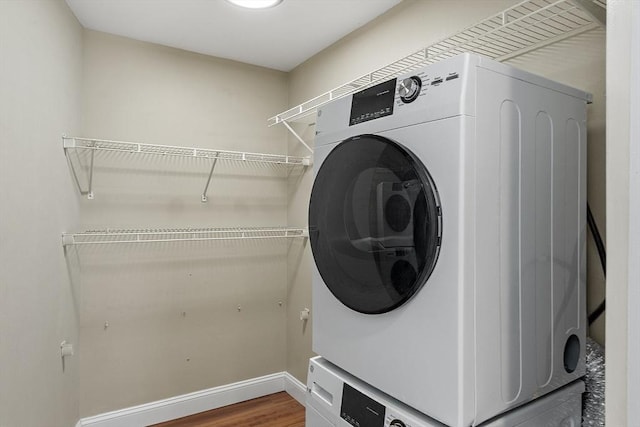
x,y
336,399
447,225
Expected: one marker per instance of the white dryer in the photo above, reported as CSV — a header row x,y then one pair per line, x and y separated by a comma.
x,y
447,225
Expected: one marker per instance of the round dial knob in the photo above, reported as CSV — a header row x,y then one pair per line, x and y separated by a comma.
x,y
396,423
409,89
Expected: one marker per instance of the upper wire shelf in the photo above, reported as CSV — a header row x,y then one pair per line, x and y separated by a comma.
x,y
529,25
97,145
109,236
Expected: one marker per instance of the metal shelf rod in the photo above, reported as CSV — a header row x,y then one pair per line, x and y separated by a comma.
x,y
298,137
204,198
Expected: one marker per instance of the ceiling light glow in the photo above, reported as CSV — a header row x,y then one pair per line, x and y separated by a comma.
x,y
255,4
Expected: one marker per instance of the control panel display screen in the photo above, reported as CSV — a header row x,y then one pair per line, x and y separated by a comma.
x,y
360,410
373,103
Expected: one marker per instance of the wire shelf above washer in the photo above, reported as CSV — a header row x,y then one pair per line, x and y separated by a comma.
x,y
522,28
109,236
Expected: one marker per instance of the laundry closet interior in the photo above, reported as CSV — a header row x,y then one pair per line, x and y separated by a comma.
x,y
154,201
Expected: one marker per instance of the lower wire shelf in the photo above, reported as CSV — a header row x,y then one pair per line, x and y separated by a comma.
x,y
112,236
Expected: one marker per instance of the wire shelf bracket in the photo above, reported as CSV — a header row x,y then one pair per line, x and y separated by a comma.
x,y
108,236
73,145
522,28
297,136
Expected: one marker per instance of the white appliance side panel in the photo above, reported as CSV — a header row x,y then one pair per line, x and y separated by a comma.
x,y
525,76
541,155
324,394
415,353
530,240
509,303
560,408
313,418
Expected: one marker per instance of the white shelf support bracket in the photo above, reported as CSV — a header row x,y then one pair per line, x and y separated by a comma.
x,y
90,192
295,134
68,142
596,12
67,239
204,198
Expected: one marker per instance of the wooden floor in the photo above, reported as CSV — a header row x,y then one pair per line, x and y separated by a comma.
x,y
274,410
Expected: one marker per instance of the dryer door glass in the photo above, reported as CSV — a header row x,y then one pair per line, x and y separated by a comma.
x,y
374,223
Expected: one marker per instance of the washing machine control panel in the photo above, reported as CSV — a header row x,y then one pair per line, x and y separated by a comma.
x,y
360,410
410,89
335,398
373,103
380,100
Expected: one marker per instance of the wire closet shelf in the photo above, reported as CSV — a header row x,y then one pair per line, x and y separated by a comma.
x,y
529,25
178,151
93,146
108,236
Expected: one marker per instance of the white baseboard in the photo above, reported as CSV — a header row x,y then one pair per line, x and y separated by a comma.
x,y
295,388
200,401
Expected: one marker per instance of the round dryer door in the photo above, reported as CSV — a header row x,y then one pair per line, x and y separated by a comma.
x,y
374,223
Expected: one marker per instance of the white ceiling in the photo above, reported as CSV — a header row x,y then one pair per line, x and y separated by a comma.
x,y
281,37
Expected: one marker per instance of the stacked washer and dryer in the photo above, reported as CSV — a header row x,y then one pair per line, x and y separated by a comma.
x,y
447,224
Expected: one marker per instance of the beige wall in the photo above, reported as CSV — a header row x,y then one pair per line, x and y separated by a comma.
x,y
408,27
172,309
40,75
